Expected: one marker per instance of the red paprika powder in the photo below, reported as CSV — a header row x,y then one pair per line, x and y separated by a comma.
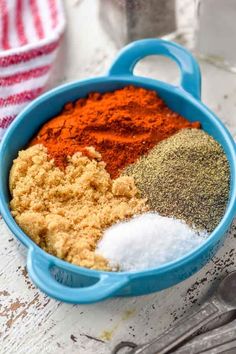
x,y
121,125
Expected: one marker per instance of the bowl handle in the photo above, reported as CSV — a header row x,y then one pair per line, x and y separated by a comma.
x,y
39,270
129,56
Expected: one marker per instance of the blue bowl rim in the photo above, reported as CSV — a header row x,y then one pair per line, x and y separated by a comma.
x,y
212,239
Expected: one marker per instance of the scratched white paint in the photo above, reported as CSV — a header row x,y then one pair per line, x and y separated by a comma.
x,y
30,322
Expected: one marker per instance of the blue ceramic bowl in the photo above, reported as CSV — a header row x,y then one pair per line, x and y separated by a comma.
x,y
73,284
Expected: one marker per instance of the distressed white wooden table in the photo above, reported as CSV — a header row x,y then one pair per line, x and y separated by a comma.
x,y
30,322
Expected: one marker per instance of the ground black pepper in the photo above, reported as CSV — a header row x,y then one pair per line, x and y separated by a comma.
x,y
185,176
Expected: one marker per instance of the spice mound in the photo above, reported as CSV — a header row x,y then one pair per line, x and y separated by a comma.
x,y
118,181
186,177
121,125
147,241
66,211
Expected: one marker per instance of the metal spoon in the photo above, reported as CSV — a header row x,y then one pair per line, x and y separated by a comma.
x,y
215,341
223,301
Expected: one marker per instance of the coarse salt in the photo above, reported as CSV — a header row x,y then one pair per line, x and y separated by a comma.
x,y
147,241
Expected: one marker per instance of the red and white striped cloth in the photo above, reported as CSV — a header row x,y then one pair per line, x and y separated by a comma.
x,y
30,33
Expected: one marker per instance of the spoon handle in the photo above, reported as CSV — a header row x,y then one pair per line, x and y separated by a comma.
x,y
211,341
183,329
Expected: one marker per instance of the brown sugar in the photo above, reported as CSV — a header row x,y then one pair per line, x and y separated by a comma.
x,y
66,211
